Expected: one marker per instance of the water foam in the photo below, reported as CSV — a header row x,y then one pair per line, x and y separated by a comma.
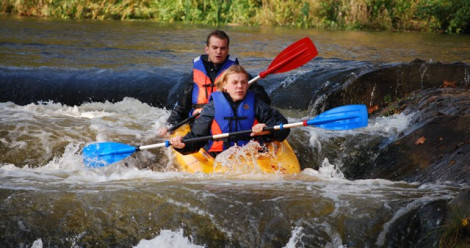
x,y
169,238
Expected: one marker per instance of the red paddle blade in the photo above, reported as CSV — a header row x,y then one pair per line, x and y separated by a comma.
x,y
292,57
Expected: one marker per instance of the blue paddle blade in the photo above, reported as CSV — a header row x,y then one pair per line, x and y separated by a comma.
x,y
102,154
341,118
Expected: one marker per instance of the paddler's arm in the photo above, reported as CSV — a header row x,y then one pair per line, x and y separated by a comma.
x,y
183,105
181,109
200,128
260,92
271,117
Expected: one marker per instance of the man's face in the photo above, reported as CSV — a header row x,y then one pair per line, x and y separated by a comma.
x,y
217,50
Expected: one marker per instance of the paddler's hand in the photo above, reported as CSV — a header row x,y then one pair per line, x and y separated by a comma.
x,y
162,132
197,111
177,142
258,130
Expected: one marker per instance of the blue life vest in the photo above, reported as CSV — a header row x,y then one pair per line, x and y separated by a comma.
x,y
225,120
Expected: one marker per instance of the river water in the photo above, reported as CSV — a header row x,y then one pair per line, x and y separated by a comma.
x,y
66,84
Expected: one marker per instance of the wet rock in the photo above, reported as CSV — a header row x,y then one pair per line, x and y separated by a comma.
x,y
308,91
434,148
418,228
436,145
393,83
74,87
461,204
457,224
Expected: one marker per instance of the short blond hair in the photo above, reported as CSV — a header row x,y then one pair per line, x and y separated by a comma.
x,y
234,69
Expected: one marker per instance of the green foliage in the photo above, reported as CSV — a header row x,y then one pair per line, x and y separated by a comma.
x,y
329,13
425,15
448,16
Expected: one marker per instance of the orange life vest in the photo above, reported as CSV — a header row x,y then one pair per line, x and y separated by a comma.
x,y
203,86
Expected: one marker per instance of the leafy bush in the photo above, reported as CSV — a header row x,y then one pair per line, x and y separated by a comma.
x,y
448,16
426,15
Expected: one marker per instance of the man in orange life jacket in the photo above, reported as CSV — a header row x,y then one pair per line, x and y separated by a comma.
x,y
206,69
232,108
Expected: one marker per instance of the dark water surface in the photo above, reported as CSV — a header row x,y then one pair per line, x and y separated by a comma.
x,y
65,84
31,42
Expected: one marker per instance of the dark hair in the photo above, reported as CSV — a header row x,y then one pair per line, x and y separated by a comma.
x,y
219,34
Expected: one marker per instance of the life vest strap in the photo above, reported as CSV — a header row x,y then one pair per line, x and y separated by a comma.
x,y
209,85
235,118
199,105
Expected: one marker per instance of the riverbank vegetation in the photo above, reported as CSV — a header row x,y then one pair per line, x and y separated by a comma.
x,y
451,16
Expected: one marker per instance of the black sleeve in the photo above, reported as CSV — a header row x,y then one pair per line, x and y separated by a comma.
x,y
260,92
200,128
271,117
184,104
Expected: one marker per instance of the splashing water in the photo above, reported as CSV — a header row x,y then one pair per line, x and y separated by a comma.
x,y
241,159
296,205
168,238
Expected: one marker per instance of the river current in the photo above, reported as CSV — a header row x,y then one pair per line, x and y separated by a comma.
x,y
49,198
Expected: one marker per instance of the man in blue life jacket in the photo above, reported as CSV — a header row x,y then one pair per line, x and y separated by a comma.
x,y
200,85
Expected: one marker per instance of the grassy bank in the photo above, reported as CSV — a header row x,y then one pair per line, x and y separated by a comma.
x,y
451,16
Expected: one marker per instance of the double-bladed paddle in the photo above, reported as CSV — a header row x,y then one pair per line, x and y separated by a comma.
x,y
339,118
292,57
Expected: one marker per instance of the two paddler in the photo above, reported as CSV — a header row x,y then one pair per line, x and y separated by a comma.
x,y
201,83
208,69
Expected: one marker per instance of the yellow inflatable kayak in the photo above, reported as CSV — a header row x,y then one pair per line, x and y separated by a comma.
x,y
278,157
